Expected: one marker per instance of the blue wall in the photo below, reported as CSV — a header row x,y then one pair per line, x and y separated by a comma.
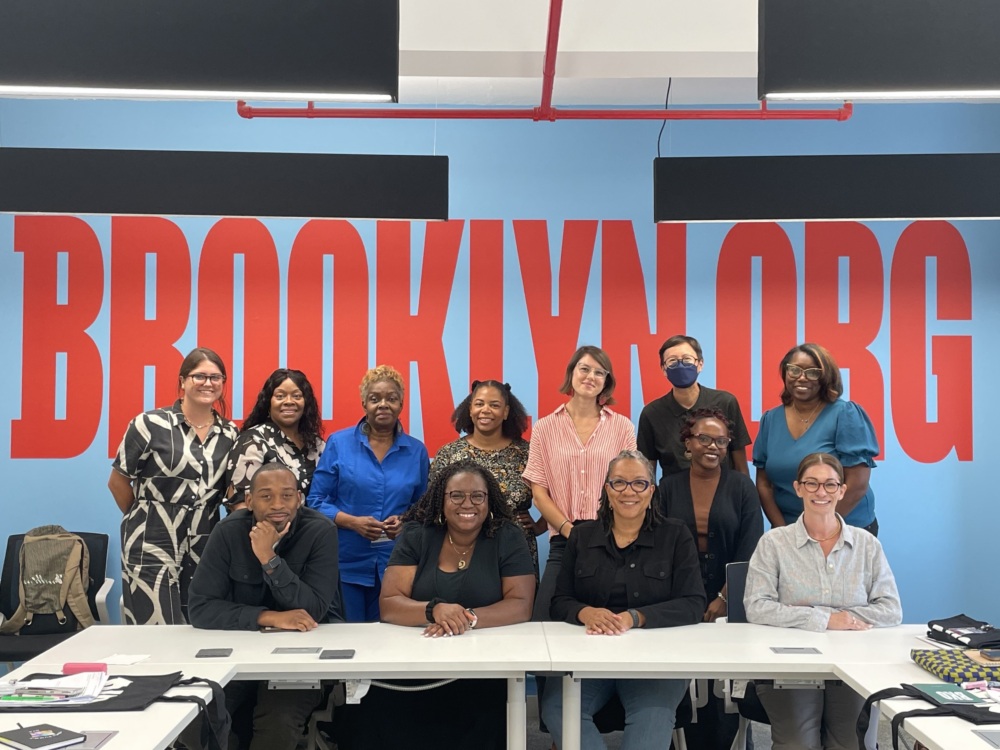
x,y
936,517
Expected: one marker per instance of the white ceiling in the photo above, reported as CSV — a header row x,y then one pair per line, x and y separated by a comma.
x,y
485,52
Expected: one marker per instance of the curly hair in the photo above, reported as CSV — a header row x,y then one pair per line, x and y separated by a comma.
x,y
517,417
687,429
380,373
653,515
602,358
194,358
310,424
830,383
429,509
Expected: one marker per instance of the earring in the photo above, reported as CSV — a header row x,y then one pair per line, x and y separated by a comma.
x,y
687,455
440,519
491,516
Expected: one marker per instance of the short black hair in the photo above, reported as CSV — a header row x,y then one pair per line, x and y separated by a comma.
x,y
270,468
677,341
699,414
429,509
517,417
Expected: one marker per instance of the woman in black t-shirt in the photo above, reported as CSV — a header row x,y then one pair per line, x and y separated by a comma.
x,y
461,563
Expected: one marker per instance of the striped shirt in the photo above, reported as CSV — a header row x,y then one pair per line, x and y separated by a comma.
x,y
574,472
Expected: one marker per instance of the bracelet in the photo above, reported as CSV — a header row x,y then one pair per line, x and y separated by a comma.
x,y
429,611
559,530
724,599
475,618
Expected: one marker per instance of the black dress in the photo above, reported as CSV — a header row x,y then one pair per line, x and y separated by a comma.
x,y
465,713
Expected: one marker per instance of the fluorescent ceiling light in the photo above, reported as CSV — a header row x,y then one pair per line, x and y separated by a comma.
x,y
79,92
835,96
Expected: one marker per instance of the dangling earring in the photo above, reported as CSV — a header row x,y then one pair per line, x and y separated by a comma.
x,y
491,516
440,519
687,455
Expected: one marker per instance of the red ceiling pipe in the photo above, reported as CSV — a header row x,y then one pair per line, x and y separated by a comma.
x,y
545,111
537,113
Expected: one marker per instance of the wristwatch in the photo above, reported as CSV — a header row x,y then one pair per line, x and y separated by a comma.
x,y
475,618
635,618
272,565
429,612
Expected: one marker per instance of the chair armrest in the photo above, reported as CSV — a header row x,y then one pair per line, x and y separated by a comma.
x,y
103,615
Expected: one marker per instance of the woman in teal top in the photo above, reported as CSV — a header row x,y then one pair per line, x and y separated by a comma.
x,y
814,419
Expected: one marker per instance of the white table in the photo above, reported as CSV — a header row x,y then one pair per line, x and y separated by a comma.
x,y
867,661
381,651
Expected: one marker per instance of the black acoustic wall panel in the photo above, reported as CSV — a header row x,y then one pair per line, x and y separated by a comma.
x,y
302,46
892,186
878,45
211,183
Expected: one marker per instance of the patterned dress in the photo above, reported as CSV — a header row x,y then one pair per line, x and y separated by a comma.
x,y
266,443
179,483
507,465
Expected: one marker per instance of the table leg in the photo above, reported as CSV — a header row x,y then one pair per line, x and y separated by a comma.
x,y
571,712
517,722
871,736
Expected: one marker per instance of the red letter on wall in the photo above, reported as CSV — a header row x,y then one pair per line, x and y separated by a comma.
x,y
624,315
49,328
554,337
217,327
138,342
951,356
340,241
826,244
402,337
486,300
734,310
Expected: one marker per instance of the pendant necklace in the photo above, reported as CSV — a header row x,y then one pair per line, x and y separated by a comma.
x,y
808,419
462,562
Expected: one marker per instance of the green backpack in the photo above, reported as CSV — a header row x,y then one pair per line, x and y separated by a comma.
x,y
52,591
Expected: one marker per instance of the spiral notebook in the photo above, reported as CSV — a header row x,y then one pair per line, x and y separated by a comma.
x,y
39,737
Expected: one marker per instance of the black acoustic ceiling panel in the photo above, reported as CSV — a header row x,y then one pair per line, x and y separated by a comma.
x,y
873,46
769,188
212,183
300,47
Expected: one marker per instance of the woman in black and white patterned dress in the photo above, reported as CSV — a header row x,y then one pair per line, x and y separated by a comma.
x,y
284,426
169,479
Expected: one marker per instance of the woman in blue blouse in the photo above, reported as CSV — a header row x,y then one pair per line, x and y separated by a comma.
x,y
368,476
814,419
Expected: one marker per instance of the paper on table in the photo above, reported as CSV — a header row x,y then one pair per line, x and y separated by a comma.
x,y
124,659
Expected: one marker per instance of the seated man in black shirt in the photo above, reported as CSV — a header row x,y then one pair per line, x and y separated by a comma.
x,y
273,564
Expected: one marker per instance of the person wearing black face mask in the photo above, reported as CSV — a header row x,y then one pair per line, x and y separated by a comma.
x,y
660,423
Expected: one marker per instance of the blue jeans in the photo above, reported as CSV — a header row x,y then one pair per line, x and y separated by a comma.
x,y
650,708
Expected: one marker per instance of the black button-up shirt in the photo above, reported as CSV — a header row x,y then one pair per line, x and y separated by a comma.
x,y
661,572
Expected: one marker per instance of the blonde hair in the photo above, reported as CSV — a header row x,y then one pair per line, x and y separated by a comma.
x,y
377,375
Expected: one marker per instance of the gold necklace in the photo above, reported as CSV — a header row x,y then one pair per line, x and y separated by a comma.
x,y
197,426
840,526
808,419
462,562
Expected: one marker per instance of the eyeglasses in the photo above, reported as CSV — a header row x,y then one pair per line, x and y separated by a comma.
x,y
638,485
476,496
597,372
201,377
795,372
673,363
707,440
831,485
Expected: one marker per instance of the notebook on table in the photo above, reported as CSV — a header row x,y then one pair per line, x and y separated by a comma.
x,y
40,736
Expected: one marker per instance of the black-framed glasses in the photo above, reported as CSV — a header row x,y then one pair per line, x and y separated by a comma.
x,y
673,363
200,378
638,485
477,497
830,485
597,372
706,440
795,372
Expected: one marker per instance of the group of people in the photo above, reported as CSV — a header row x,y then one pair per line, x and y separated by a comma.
x,y
363,527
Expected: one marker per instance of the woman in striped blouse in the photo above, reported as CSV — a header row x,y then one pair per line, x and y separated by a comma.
x,y
569,456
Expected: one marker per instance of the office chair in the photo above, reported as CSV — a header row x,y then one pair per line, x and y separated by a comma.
x,y
27,645
749,705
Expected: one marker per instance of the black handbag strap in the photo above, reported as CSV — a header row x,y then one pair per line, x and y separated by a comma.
x,y
215,718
